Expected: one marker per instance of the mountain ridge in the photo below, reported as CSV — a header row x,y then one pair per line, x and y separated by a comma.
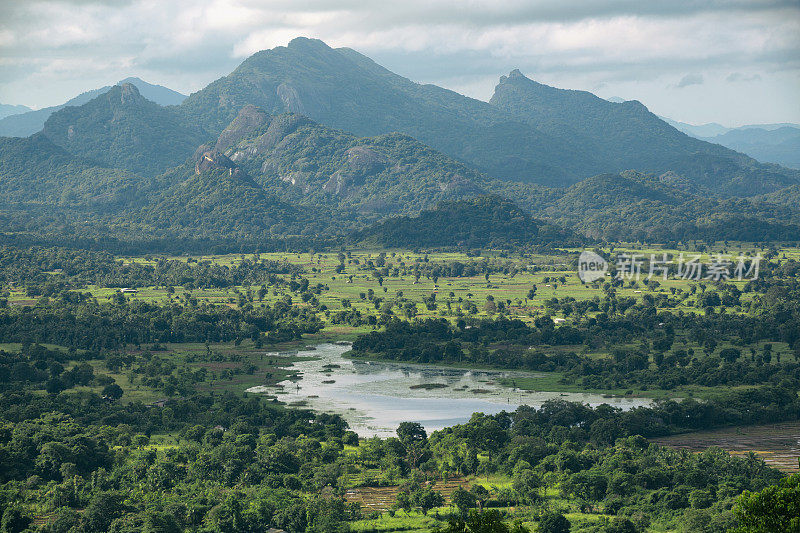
x,y
30,122
121,128
631,137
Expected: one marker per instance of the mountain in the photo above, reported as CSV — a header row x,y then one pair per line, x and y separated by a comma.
x,y
484,221
35,171
699,131
159,94
528,133
712,129
25,124
218,200
48,193
790,196
269,179
9,109
346,90
779,145
634,206
310,164
121,128
628,136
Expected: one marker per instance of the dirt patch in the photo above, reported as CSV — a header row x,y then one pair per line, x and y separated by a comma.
x,y
777,444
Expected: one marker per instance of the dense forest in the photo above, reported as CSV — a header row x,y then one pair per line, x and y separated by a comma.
x,y
482,222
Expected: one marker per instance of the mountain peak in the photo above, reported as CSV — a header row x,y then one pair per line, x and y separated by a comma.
x,y
307,43
514,75
155,93
127,93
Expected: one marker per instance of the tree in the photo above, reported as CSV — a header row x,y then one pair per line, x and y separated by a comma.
x,y
620,525
62,521
427,499
161,523
402,501
112,391
463,500
327,516
414,438
526,482
481,522
411,432
15,520
730,354
481,494
554,522
103,509
776,508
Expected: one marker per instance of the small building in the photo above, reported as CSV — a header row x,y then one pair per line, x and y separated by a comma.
x,y
128,290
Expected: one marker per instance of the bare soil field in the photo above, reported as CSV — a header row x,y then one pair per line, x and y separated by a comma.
x,y
777,444
382,498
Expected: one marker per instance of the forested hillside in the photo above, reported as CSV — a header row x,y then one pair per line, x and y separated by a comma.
x,y
485,221
121,128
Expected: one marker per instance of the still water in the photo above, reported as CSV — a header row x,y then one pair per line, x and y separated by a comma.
x,y
374,397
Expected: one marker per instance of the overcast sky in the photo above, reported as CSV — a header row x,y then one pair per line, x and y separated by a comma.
x,y
732,62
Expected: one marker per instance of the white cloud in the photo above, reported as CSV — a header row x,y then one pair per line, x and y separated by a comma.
x,y
61,44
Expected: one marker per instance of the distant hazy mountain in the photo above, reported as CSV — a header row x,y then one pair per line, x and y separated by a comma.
x,y
626,135
24,124
698,131
779,145
9,109
769,143
121,128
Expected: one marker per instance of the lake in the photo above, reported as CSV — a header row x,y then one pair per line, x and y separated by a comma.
x,y
374,397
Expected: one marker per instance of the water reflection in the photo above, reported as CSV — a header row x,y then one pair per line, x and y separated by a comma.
x,y
374,397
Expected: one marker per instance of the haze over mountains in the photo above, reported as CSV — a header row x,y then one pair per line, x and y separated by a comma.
x,y
9,109
311,141
769,143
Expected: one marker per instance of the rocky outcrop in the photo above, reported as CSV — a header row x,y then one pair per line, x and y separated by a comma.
x,y
249,120
212,160
362,161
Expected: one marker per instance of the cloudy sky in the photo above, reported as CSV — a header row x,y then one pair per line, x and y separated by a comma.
x,y
732,62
